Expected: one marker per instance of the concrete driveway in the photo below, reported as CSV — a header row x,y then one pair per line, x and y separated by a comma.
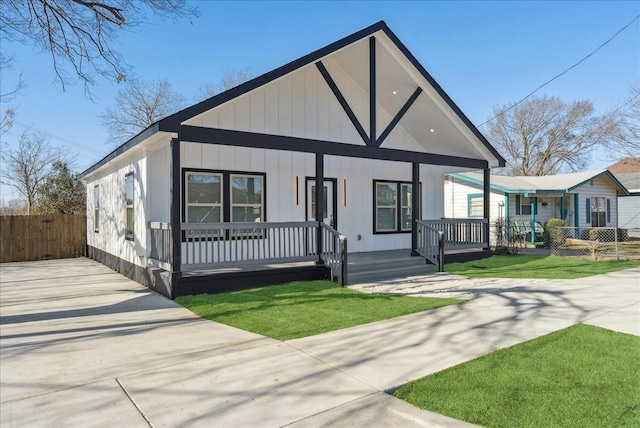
x,y
81,345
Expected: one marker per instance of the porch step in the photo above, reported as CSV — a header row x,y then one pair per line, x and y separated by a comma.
x,y
385,266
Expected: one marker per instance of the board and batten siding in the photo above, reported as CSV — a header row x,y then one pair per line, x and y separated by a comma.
x,y
110,237
355,219
302,105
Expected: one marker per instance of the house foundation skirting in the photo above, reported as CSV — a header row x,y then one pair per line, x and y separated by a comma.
x,y
155,279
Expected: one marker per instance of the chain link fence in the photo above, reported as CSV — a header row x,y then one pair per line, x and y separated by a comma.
x,y
515,237
594,242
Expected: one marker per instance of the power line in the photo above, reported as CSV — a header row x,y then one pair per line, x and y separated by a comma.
x,y
52,136
564,72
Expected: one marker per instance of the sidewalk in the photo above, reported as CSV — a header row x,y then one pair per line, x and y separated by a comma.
x,y
83,346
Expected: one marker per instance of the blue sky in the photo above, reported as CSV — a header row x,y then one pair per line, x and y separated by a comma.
x,y
483,54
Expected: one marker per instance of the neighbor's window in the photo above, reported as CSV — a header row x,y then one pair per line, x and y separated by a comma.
x,y
96,209
598,212
128,198
393,213
475,206
246,198
525,206
204,198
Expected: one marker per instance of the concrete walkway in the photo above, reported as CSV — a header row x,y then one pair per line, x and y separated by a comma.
x,y
82,346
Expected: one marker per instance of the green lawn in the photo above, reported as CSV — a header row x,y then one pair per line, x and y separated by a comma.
x,y
302,309
583,376
544,267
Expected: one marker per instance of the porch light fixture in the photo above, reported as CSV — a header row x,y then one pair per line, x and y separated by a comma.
x,y
296,198
432,130
344,192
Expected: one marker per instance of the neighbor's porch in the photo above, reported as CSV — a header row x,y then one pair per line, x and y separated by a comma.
x,y
222,256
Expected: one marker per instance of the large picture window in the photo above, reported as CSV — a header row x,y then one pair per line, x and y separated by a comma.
x,y
223,197
392,206
128,198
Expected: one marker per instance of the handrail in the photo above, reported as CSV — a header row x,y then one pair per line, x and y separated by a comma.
x,y
431,244
334,252
462,233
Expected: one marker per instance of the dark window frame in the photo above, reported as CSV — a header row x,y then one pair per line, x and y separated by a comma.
x,y
129,233
398,206
226,208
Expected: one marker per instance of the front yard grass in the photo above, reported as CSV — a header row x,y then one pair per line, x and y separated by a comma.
x,y
543,267
582,376
301,309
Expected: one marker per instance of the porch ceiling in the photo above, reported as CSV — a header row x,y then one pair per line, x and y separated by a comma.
x,y
430,121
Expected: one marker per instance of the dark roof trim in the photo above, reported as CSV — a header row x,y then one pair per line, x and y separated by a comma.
x,y
172,123
143,135
196,134
449,101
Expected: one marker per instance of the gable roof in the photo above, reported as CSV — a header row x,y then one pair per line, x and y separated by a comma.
x,y
625,166
540,184
172,123
630,180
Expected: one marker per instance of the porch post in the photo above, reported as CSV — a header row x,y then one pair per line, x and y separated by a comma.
x,y
176,233
486,190
319,201
534,211
415,206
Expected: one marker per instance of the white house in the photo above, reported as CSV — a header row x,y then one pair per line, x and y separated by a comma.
x,y
583,199
230,182
627,171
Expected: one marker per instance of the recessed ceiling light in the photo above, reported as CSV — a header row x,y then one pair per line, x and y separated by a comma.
x,y
395,93
432,130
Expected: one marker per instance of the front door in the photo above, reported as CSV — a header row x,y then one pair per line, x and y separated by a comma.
x,y
329,208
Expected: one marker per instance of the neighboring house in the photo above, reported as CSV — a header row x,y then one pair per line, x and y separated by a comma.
x,y
627,171
231,181
583,199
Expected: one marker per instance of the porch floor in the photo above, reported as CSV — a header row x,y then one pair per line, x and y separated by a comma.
x,y
365,267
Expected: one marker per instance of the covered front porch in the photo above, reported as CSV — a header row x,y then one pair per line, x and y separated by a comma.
x,y
224,256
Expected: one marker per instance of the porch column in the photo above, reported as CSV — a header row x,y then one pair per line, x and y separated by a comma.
x,y
534,211
415,206
319,201
486,190
176,233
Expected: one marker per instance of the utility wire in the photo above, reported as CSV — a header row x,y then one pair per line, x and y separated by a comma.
x,y
564,72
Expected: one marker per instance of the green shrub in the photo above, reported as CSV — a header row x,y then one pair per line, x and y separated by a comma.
x,y
553,232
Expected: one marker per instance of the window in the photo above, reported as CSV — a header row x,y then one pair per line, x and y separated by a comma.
x,y
204,198
222,197
525,208
96,209
246,198
392,213
475,205
598,212
128,198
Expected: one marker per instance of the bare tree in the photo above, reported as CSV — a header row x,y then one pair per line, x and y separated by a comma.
x,y
138,105
29,164
8,95
544,136
79,34
230,79
626,141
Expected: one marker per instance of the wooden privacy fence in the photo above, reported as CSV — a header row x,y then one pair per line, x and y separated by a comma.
x,y
42,237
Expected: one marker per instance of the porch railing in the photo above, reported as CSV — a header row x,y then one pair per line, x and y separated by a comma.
x,y
212,245
461,233
334,253
431,243
160,242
